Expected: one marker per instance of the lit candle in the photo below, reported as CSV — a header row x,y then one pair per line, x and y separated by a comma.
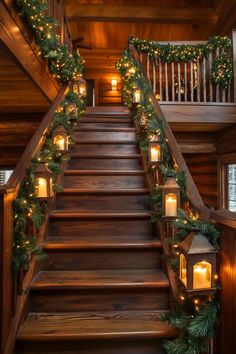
x,y
75,88
82,89
155,153
137,96
201,279
41,188
170,205
59,141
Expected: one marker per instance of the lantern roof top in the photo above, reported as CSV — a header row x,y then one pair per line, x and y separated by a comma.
x,y
196,243
171,183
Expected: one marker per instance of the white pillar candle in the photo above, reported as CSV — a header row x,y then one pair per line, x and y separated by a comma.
x,y
59,141
200,279
155,153
171,205
137,96
41,188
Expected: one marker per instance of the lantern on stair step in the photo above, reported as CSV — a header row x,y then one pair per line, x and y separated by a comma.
x,y
155,150
60,139
198,264
136,95
170,198
43,182
72,109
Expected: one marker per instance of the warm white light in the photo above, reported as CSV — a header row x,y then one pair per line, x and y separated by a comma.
x,y
41,190
114,85
155,153
170,205
202,275
61,142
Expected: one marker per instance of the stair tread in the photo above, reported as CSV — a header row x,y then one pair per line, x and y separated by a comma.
x,y
104,129
104,191
102,241
99,213
103,172
105,120
74,279
105,156
94,325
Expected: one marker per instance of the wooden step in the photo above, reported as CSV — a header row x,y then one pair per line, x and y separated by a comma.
x,y
105,120
100,214
100,242
94,124
102,129
104,149
93,326
103,180
105,137
61,225
104,173
130,199
113,162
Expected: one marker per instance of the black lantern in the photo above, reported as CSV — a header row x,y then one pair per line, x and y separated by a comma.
x,y
155,150
60,138
43,182
136,95
197,263
170,198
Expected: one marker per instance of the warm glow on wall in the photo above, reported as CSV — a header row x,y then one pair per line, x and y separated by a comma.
x,y
114,85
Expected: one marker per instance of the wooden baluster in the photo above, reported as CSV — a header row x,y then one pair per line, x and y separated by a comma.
x,y
191,80
160,78
210,83
148,67
204,79
223,94
179,83
166,80
185,83
229,93
198,81
154,76
141,56
173,80
217,86
234,63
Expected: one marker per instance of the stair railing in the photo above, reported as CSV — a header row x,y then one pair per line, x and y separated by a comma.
x,y
225,220
11,305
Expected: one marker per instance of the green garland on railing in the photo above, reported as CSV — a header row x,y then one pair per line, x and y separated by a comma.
x,y
63,65
222,66
28,213
195,323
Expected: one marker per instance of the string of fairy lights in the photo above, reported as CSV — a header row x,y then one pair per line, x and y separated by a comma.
x,y
196,311
63,64
221,68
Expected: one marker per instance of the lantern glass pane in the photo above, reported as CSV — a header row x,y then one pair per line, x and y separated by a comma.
x,y
60,142
82,89
155,153
75,88
202,275
51,187
136,95
41,190
170,204
183,269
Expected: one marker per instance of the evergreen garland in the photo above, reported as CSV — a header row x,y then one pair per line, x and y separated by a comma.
x,y
195,320
222,66
65,66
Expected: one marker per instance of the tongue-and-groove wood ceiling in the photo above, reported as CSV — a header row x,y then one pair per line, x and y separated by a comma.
x,y
106,24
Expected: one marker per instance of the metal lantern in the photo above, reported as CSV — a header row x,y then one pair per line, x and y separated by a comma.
x,y
79,86
60,138
75,88
43,182
155,150
136,95
197,263
72,109
170,198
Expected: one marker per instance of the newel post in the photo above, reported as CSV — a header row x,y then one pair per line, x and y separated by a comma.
x,y
234,61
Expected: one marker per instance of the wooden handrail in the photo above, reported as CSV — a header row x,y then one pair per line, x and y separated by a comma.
x,y
224,217
192,190
33,147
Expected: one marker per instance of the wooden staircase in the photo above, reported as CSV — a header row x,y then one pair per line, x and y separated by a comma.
x,y
101,288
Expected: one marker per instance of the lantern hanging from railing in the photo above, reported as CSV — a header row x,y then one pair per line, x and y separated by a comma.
x,y
79,86
43,182
72,109
155,150
60,138
170,198
197,263
136,95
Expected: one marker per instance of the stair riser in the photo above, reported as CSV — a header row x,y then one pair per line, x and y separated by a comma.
x,y
104,164
103,259
106,125
98,300
106,182
92,227
150,346
94,202
104,136
104,149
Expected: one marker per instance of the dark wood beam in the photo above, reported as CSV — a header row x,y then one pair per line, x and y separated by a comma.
x,y
126,13
226,10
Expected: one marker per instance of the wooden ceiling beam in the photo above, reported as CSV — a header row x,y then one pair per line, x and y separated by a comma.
x,y
125,13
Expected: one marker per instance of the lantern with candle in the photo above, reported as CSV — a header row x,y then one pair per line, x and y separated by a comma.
x,y
60,138
170,198
155,150
136,95
43,182
197,263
